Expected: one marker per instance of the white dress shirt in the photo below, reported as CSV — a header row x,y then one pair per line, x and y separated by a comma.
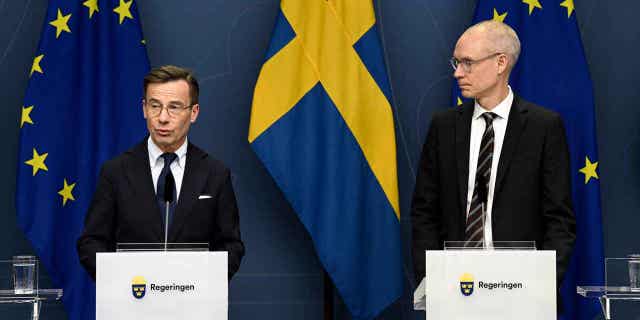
x,y
477,130
156,163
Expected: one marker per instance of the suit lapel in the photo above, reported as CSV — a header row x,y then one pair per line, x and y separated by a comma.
x,y
463,138
193,182
139,175
515,126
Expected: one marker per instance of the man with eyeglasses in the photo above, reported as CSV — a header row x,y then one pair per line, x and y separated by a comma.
x,y
129,203
495,168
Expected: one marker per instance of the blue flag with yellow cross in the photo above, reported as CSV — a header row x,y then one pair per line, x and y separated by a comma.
x,y
322,124
82,106
552,71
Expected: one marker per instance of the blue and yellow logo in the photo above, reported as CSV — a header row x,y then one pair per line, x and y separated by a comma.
x,y
138,287
466,284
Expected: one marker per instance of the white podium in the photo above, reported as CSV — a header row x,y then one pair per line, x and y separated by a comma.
x,y
161,285
490,284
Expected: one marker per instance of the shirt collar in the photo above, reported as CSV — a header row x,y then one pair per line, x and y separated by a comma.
x,y
155,152
502,109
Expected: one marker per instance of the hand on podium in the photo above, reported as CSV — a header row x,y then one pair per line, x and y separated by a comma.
x,y
420,297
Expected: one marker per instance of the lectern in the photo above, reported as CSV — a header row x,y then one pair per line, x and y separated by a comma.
x,y
499,281
141,282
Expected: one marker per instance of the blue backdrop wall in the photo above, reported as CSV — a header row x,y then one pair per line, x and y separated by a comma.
x,y
224,43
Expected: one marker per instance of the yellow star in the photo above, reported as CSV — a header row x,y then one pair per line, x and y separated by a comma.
x,y
37,162
143,41
532,4
61,23
497,16
589,170
92,5
123,10
569,5
36,65
459,101
26,116
66,192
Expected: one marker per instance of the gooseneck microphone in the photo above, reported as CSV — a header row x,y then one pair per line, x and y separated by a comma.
x,y
169,186
482,189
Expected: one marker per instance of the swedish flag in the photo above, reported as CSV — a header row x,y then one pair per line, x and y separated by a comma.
x,y
82,106
322,124
552,71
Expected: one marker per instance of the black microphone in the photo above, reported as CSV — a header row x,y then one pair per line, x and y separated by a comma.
x,y
169,186
168,198
483,191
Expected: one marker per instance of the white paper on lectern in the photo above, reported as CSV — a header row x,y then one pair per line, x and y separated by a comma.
x,y
175,271
420,297
534,270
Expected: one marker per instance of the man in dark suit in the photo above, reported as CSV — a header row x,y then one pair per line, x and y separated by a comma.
x,y
513,149
128,205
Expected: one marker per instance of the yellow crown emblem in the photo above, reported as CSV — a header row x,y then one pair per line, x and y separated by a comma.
x,y
138,287
466,284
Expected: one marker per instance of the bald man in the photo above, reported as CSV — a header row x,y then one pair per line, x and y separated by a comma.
x,y
498,145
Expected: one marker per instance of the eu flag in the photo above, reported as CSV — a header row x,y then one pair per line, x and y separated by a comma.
x,y
322,124
552,71
82,106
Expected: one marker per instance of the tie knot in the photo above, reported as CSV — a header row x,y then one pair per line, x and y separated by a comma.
x,y
168,158
488,117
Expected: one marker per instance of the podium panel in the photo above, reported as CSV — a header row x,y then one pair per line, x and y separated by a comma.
x,y
490,284
161,285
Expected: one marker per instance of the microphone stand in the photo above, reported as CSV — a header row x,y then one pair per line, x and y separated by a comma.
x,y
168,199
483,195
484,241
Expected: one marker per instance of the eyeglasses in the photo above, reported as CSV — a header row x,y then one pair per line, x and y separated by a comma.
x,y
173,109
467,63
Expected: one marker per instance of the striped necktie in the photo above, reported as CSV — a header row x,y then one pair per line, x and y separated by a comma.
x,y
474,232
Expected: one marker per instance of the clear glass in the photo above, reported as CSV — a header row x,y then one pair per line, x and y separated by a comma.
x,y
24,274
617,273
19,283
634,272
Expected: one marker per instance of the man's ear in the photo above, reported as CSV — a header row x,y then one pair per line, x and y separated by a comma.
x,y
195,111
503,63
144,110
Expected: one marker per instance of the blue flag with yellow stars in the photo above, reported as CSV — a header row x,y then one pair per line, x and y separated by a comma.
x,y
322,124
552,71
82,106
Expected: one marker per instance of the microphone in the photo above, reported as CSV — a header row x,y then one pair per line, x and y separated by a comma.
x,y
483,191
169,186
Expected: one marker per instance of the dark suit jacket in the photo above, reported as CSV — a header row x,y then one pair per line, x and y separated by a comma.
x,y
532,197
124,208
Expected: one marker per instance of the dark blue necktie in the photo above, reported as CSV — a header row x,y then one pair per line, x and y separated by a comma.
x,y
166,171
